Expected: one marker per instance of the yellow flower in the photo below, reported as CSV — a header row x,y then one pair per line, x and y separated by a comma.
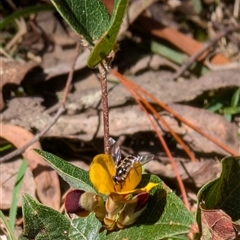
x,y
101,175
124,203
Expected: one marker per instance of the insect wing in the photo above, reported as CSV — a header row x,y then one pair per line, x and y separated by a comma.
x,y
115,151
144,159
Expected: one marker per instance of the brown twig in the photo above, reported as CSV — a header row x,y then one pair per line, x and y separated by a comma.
x,y
150,108
205,47
35,138
105,110
61,109
179,117
70,75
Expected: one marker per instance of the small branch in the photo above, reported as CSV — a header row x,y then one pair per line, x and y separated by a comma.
x,y
70,75
205,47
105,110
61,109
35,138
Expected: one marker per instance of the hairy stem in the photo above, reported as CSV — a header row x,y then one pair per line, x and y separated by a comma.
x,y
103,81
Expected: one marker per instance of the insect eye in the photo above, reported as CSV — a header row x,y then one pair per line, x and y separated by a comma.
x,y
121,171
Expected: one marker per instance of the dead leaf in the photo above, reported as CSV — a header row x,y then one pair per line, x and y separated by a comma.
x,y
123,118
217,225
134,10
213,124
178,39
85,126
154,61
12,72
46,179
197,173
27,106
161,85
53,28
59,61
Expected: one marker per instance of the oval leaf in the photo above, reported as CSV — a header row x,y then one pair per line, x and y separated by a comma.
x,y
88,18
108,40
41,222
74,176
223,193
85,228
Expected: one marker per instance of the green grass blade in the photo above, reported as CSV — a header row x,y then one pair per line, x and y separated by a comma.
x,y
214,106
197,6
5,147
5,221
174,55
15,194
235,98
25,12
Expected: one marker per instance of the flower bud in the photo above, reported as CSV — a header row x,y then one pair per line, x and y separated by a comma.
x,y
114,204
72,204
133,210
82,203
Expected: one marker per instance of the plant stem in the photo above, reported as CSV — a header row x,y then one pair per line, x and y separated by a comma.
x,y
103,81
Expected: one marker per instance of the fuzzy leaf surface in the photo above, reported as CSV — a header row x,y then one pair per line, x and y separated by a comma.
x,y
165,216
74,176
88,18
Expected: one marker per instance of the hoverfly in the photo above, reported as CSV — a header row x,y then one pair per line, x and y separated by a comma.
x,y
124,166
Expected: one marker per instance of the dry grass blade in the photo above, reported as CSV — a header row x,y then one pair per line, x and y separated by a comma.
x,y
146,106
178,116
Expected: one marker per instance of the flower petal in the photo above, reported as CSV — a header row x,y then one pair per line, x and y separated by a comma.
x,y
101,171
132,180
113,206
147,188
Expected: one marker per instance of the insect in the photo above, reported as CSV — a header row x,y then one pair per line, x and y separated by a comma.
x,y
124,166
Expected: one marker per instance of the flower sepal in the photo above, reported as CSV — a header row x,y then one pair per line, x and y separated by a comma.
x,y
133,210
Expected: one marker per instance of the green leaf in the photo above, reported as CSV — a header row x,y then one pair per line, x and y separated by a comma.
x,y
165,216
174,55
7,226
214,106
224,192
235,98
88,18
74,176
108,40
197,6
231,110
15,194
228,117
85,228
5,147
41,222
23,13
